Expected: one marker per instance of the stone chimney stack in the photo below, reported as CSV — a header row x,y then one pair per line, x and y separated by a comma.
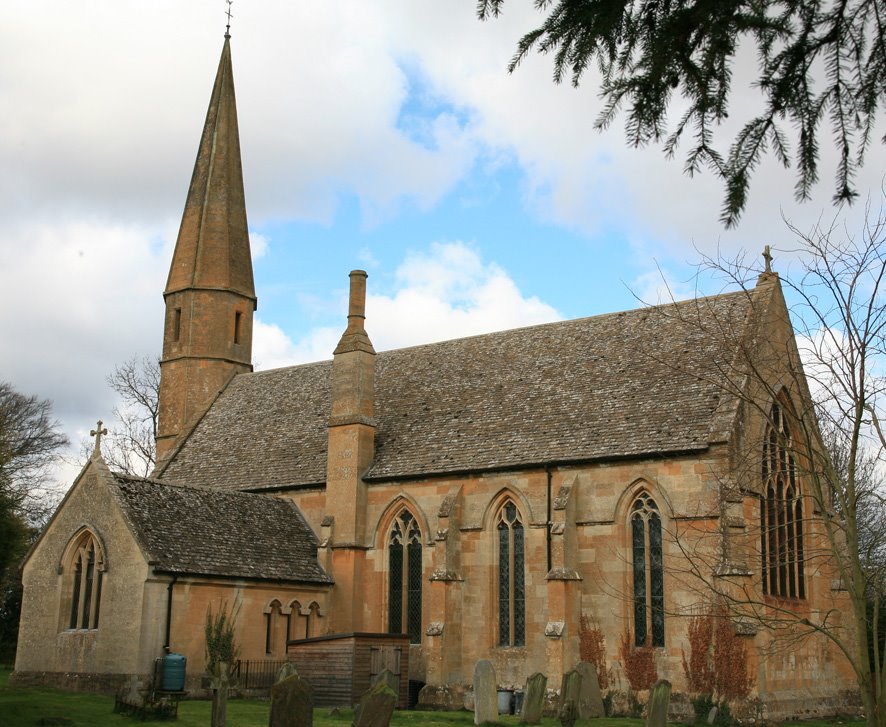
x,y
350,451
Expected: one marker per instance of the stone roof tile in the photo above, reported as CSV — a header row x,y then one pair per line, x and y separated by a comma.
x,y
202,531
620,385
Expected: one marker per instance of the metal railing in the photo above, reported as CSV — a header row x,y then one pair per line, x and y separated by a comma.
x,y
256,674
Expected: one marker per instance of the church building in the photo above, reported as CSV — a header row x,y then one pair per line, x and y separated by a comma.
x,y
491,497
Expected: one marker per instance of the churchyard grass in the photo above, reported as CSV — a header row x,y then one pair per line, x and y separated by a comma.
x,y
31,707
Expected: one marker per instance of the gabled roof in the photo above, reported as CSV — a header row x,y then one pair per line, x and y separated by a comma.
x,y
201,531
629,384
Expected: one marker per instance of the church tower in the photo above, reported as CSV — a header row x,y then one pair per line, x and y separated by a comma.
x,y
210,294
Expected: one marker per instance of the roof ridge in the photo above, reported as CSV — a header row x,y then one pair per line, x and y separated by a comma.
x,y
507,331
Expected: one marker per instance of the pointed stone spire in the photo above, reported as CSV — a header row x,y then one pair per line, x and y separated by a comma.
x,y
212,250
210,293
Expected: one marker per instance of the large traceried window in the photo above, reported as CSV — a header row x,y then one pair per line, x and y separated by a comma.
x,y
86,591
781,513
511,577
404,577
646,550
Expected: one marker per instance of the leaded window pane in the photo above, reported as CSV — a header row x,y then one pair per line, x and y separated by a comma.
x,y
519,600
504,585
638,539
87,595
75,598
656,580
395,588
413,594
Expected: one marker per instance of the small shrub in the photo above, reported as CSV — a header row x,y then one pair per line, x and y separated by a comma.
x,y
638,663
592,648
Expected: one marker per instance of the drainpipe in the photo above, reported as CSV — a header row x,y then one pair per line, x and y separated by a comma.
x,y
169,613
550,513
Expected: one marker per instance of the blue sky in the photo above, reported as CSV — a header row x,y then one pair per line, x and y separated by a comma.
x,y
385,135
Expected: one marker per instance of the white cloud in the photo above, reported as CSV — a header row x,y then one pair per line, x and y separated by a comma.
x,y
446,292
258,243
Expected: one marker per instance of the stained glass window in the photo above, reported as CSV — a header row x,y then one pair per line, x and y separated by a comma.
x,y
511,577
86,589
648,572
405,577
781,513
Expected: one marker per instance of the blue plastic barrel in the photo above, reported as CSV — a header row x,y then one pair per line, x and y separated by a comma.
x,y
174,672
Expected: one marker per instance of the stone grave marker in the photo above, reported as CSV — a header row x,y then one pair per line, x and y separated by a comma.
x,y
659,700
389,678
485,694
286,671
292,703
570,690
376,705
712,714
590,703
534,699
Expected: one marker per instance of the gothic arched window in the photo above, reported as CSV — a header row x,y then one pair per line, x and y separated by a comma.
x,y
404,577
511,577
86,590
648,573
781,513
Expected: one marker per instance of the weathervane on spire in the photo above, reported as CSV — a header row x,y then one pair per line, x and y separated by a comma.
x,y
228,13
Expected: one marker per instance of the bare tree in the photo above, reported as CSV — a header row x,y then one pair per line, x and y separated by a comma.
x,y
803,508
30,440
129,445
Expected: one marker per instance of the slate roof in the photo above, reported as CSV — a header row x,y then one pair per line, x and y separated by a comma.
x,y
201,531
620,385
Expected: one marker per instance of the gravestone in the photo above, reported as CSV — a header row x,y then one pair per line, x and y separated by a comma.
x,y
389,678
286,671
376,706
590,703
659,700
485,693
712,714
534,699
570,691
292,703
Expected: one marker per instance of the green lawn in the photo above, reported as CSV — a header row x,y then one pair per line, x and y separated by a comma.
x,y
43,707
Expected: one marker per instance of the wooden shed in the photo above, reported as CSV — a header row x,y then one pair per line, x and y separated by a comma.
x,y
341,667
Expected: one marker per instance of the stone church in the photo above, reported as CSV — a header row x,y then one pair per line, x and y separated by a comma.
x,y
485,496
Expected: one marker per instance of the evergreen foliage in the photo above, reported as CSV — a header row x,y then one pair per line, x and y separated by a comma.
x,y
818,62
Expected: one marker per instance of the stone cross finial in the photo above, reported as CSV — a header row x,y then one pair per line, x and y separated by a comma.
x,y
767,256
97,433
228,13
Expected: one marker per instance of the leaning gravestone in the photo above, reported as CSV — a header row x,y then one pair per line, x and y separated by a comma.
x,y
485,694
659,700
534,699
292,703
389,678
376,706
570,692
590,703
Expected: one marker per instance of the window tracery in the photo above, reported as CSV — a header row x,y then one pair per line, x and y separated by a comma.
x,y
781,513
511,577
405,577
87,565
648,572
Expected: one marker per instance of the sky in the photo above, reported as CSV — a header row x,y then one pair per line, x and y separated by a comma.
x,y
382,135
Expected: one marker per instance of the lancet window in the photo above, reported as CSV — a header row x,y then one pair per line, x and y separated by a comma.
x,y
781,513
511,577
87,567
646,550
404,577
